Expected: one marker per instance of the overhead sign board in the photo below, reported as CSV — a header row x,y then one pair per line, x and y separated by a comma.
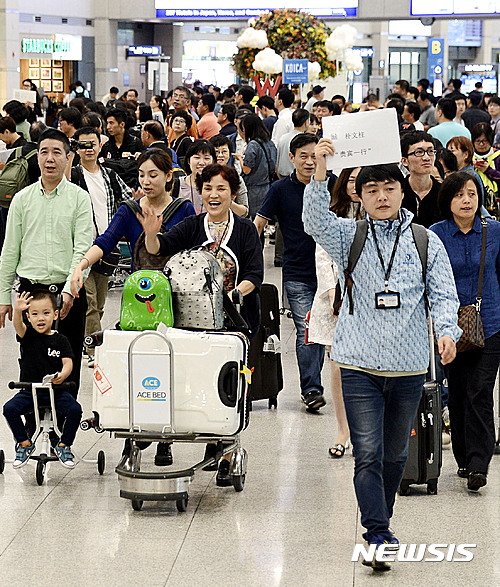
x,y
453,7
144,51
226,8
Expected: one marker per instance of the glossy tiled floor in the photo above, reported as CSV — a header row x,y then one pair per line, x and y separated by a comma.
x,y
295,523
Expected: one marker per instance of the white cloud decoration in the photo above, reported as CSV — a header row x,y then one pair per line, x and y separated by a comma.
x,y
268,61
342,38
313,71
251,38
353,60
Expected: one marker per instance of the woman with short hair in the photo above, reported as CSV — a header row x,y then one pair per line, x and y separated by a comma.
x,y
471,376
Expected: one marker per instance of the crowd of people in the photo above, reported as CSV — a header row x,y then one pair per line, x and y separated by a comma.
x,y
111,169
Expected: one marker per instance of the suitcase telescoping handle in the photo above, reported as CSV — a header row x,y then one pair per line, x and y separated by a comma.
x,y
234,314
431,346
430,421
431,449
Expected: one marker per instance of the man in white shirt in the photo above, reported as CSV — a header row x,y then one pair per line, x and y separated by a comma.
x,y
318,95
284,165
107,192
411,114
283,102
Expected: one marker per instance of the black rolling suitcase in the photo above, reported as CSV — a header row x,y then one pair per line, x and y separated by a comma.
x,y
423,466
265,349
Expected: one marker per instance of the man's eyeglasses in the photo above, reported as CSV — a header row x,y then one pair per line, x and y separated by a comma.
x,y
481,142
421,152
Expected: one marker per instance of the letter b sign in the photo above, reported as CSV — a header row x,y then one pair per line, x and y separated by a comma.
x,y
436,47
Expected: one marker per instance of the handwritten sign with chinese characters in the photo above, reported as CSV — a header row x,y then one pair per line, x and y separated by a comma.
x,y
363,138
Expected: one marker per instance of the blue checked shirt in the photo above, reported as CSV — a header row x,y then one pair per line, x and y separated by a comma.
x,y
394,340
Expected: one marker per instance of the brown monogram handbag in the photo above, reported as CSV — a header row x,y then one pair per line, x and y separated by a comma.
x,y
469,317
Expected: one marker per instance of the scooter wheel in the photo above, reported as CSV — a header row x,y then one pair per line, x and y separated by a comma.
x,y
101,462
84,424
182,504
2,461
40,472
137,505
238,482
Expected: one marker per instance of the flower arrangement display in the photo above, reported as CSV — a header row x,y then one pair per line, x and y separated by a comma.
x,y
292,34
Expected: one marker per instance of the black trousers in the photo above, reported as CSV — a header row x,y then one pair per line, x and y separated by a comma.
x,y
471,379
73,327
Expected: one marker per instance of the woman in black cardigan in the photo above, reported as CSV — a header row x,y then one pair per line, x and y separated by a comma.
x,y
233,240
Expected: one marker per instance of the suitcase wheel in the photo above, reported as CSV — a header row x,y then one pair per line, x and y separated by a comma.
x,y
404,488
432,487
273,403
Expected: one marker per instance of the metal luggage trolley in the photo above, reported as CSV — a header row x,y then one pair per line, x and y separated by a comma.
x,y
155,417
44,426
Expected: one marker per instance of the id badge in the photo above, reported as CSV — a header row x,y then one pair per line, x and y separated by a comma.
x,y
387,300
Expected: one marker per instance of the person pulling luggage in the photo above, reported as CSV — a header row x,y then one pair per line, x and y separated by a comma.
x,y
232,240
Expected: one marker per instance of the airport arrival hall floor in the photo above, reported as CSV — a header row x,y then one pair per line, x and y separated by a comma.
x,y
295,524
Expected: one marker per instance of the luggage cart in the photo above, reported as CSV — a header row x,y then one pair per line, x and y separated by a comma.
x,y
140,486
156,413
44,426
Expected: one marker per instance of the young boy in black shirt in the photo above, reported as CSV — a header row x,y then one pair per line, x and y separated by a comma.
x,y
43,351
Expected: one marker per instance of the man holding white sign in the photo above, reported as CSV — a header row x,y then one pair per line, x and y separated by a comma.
x,y
381,342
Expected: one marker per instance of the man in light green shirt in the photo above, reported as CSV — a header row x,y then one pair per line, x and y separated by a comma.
x,y
49,229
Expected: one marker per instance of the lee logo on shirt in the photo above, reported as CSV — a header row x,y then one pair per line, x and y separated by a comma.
x,y
54,353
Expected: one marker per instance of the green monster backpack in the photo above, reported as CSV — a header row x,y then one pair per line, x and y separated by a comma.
x,y
146,301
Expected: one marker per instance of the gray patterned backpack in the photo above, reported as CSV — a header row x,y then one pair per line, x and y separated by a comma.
x,y
197,290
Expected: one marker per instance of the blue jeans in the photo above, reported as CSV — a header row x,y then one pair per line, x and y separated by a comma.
x,y
22,404
309,357
380,412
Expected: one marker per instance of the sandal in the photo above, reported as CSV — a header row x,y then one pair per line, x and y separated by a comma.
x,y
334,451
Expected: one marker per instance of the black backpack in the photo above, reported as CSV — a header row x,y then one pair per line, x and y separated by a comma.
x,y
125,168
419,236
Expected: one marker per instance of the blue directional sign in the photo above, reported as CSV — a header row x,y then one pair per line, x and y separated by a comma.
x,y
295,71
435,59
144,50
